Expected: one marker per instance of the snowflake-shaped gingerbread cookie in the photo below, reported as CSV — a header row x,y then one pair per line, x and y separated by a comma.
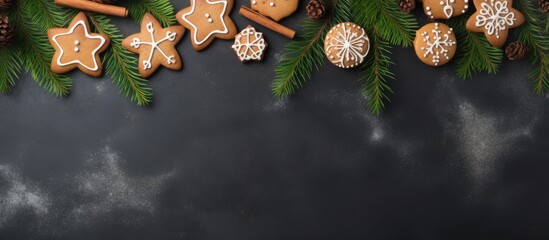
x,y
155,46
495,18
435,44
249,45
346,45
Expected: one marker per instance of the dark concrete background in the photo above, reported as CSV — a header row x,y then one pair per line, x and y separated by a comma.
x,y
218,157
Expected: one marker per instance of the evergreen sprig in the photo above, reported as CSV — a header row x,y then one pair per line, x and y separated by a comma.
x,y
376,73
120,64
10,68
474,52
32,19
307,52
387,26
385,16
533,34
161,9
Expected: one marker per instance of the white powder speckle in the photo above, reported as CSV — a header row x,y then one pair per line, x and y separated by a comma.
x,y
279,104
484,137
17,195
108,188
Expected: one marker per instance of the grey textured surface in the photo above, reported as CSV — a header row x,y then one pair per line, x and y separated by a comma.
x,y
217,157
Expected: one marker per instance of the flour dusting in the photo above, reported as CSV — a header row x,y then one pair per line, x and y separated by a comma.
x,y
107,188
18,195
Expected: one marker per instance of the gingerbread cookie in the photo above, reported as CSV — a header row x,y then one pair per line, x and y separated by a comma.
x,y
76,47
435,44
346,45
444,9
275,9
495,18
155,46
249,45
208,19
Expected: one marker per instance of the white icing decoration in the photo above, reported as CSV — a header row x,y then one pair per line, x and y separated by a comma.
x,y
221,16
438,45
348,45
495,17
249,53
76,42
77,49
95,67
170,36
447,8
272,4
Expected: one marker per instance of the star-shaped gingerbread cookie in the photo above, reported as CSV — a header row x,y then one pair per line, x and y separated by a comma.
x,y
208,19
495,18
76,47
155,46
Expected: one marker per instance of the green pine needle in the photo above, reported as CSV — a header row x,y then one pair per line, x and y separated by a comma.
x,y
161,9
34,46
392,24
535,37
10,68
120,64
307,53
474,54
377,73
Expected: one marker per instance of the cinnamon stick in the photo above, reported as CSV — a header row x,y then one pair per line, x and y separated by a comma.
x,y
266,22
94,7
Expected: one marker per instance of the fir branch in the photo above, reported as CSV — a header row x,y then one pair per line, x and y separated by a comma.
x,y
474,54
10,65
376,73
307,53
535,37
392,24
120,64
10,68
32,19
160,9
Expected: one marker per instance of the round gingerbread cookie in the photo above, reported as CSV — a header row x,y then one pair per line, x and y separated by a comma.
x,y
346,45
275,9
444,9
435,44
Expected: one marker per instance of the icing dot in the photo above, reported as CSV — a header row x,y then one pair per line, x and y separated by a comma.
x,y
77,49
77,42
254,2
272,4
207,15
210,20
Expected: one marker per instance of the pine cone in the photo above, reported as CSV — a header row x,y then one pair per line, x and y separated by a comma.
x,y
6,32
516,50
407,6
544,6
316,9
5,4
101,1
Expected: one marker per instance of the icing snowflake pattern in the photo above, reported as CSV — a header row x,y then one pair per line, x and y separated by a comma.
x,y
495,17
437,45
349,46
249,45
170,36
